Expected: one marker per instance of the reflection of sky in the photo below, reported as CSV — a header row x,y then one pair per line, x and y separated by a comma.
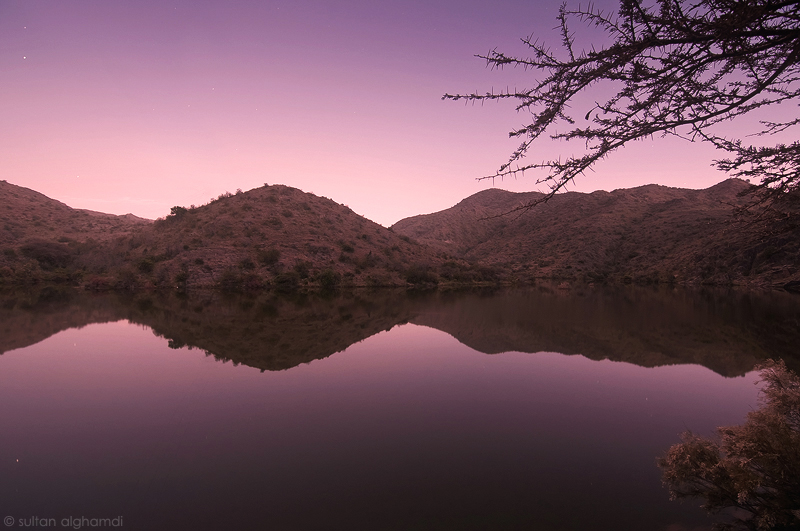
x,y
136,107
406,426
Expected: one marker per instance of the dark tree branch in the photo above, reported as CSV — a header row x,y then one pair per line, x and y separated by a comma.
x,y
678,66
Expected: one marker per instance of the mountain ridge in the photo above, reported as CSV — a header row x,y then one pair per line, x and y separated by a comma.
x,y
650,233
279,236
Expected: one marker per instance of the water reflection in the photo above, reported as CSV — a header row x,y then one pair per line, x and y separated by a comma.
x,y
406,429
728,332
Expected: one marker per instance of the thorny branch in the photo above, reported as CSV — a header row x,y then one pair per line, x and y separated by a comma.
x,y
678,67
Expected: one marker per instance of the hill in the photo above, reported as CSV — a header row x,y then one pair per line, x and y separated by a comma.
x,y
647,234
278,236
27,215
273,236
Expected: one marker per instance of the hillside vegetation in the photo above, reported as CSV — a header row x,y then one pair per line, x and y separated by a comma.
x,y
27,215
273,236
282,238
647,234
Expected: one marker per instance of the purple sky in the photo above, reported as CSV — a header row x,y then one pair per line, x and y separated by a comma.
x,y
135,106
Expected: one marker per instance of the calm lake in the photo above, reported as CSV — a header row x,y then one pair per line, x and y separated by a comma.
x,y
527,409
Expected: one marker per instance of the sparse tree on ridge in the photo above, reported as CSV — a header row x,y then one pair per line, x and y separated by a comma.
x,y
676,67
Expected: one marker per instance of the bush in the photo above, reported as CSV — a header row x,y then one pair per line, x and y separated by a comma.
x,y
329,279
420,274
247,264
753,468
177,212
50,255
230,280
146,265
302,268
269,256
287,281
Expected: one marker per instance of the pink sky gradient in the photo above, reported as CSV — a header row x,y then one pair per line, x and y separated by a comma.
x,y
123,106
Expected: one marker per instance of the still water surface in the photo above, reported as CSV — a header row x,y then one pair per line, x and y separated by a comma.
x,y
370,411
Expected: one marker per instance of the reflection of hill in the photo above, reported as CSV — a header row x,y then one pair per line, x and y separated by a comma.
x,y
26,318
269,332
727,332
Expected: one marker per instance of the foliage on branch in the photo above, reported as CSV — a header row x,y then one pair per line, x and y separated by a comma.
x,y
755,468
677,67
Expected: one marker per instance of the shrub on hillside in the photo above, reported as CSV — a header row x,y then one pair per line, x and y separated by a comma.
x,y
303,269
329,279
50,255
146,265
420,274
269,256
127,279
287,281
230,280
177,212
99,283
247,264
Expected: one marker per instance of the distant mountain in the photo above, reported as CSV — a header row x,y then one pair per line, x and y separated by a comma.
x,y
27,215
645,234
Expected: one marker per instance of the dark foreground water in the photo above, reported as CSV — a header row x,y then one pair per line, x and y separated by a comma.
x,y
370,410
